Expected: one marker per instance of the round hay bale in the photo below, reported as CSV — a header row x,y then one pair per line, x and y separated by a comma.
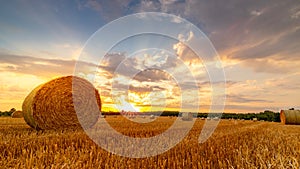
x,y
216,118
17,114
187,116
290,116
52,105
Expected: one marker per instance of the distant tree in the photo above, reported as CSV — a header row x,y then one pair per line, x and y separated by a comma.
x,y
12,110
277,117
7,113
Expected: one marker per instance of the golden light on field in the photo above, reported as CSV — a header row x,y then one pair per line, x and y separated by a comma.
x,y
234,144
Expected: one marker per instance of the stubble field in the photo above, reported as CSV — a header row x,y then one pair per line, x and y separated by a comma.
x,y
234,144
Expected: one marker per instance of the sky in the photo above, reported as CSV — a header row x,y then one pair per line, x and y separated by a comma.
x,y
257,43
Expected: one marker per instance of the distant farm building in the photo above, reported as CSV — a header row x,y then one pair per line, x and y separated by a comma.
x,y
290,116
17,114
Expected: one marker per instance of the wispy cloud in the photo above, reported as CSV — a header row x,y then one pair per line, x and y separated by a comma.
x,y
46,68
245,99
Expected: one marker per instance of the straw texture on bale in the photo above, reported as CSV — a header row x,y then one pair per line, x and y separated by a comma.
x,y
17,114
65,102
290,116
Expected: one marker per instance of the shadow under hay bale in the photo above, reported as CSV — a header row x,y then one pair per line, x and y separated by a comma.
x,y
52,105
17,114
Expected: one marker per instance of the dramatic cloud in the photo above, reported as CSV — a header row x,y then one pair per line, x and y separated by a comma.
x,y
46,68
184,52
152,75
240,30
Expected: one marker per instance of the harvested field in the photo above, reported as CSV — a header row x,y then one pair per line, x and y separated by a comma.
x,y
234,144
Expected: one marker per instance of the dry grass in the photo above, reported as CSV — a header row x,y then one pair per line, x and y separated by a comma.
x,y
234,144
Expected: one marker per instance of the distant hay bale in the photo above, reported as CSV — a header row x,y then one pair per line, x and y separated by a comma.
x,y
17,114
52,105
290,117
208,118
254,119
216,118
152,117
187,116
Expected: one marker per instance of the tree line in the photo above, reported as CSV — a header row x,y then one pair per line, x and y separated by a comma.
x,y
267,115
7,113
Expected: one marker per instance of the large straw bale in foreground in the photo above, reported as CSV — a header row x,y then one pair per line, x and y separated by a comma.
x,y
290,116
17,114
52,105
